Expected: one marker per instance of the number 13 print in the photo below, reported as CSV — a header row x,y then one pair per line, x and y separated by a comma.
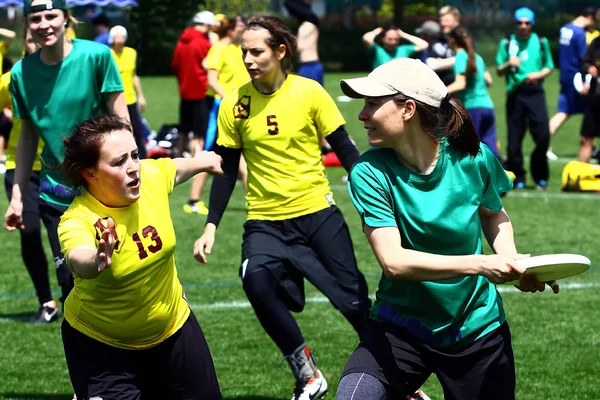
x,y
147,231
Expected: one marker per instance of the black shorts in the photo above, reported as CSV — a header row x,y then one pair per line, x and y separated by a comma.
x,y
317,247
5,127
193,117
484,369
181,367
590,127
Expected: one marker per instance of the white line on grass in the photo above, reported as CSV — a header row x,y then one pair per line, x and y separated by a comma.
x,y
322,299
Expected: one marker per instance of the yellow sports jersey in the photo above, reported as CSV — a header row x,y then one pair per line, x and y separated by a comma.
x,y
227,59
70,33
138,301
589,36
15,132
278,135
126,64
3,48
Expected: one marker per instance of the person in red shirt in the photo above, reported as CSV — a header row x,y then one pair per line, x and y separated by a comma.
x,y
191,50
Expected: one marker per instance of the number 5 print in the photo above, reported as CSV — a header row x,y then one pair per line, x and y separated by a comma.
x,y
271,122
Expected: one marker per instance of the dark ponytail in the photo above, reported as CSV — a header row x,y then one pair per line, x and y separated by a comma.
x,y
465,41
451,121
459,128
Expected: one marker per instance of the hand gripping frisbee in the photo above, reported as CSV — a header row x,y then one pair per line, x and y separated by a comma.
x,y
552,267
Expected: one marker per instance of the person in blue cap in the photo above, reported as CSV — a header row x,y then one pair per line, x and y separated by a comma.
x,y
524,58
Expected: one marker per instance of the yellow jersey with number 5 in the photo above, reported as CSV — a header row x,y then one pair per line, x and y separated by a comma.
x,y
138,301
278,136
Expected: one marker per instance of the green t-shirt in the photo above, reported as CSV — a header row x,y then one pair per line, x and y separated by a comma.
x,y
533,57
56,98
381,55
435,213
476,93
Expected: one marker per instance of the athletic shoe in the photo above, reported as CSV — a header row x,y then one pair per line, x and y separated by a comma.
x,y
47,313
419,395
551,156
541,184
197,208
314,388
519,185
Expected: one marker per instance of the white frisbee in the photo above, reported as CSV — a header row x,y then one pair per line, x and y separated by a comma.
x,y
552,267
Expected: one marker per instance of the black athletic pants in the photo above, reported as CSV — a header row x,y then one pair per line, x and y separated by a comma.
x,y
32,249
528,104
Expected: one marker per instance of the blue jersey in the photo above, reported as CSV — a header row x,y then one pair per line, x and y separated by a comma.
x,y
572,49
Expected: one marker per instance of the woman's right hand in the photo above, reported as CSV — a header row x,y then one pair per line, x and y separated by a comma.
x,y
13,219
204,244
106,246
503,268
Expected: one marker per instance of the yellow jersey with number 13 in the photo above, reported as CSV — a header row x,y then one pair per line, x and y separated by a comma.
x,y
138,301
278,135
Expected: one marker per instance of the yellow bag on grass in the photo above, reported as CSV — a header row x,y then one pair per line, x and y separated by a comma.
x,y
580,177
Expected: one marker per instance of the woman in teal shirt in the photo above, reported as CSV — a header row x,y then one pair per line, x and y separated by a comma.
x,y
471,80
64,83
425,192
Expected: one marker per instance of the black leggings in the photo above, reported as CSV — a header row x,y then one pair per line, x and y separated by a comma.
x,y
138,129
32,249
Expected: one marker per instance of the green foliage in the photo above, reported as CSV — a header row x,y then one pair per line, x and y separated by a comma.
x,y
421,9
156,26
236,7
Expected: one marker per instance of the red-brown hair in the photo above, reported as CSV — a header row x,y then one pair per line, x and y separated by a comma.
x,y
82,148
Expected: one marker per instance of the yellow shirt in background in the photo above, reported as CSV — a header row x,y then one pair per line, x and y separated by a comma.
x,y
279,137
227,59
70,33
589,36
138,301
15,132
126,65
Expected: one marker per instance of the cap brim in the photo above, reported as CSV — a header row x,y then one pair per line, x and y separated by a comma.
x,y
418,31
357,88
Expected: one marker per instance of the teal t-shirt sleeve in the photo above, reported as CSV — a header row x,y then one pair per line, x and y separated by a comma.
x,y
502,53
460,63
547,55
405,50
107,73
496,181
18,105
370,198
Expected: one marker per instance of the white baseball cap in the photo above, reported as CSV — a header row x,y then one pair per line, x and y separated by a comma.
x,y
408,76
205,18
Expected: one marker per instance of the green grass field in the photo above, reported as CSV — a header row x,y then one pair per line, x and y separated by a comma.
x,y
556,338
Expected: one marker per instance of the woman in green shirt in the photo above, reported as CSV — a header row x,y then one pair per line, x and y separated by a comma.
x,y
471,80
425,192
65,82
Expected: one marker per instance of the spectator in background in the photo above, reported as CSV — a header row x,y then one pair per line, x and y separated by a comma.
x,y
470,86
102,29
590,128
187,65
439,56
308,39
126,60
525,60
385,46
573,46
592,32
8,37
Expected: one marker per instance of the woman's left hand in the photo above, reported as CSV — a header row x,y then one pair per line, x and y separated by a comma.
x,y
143,104
530,283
